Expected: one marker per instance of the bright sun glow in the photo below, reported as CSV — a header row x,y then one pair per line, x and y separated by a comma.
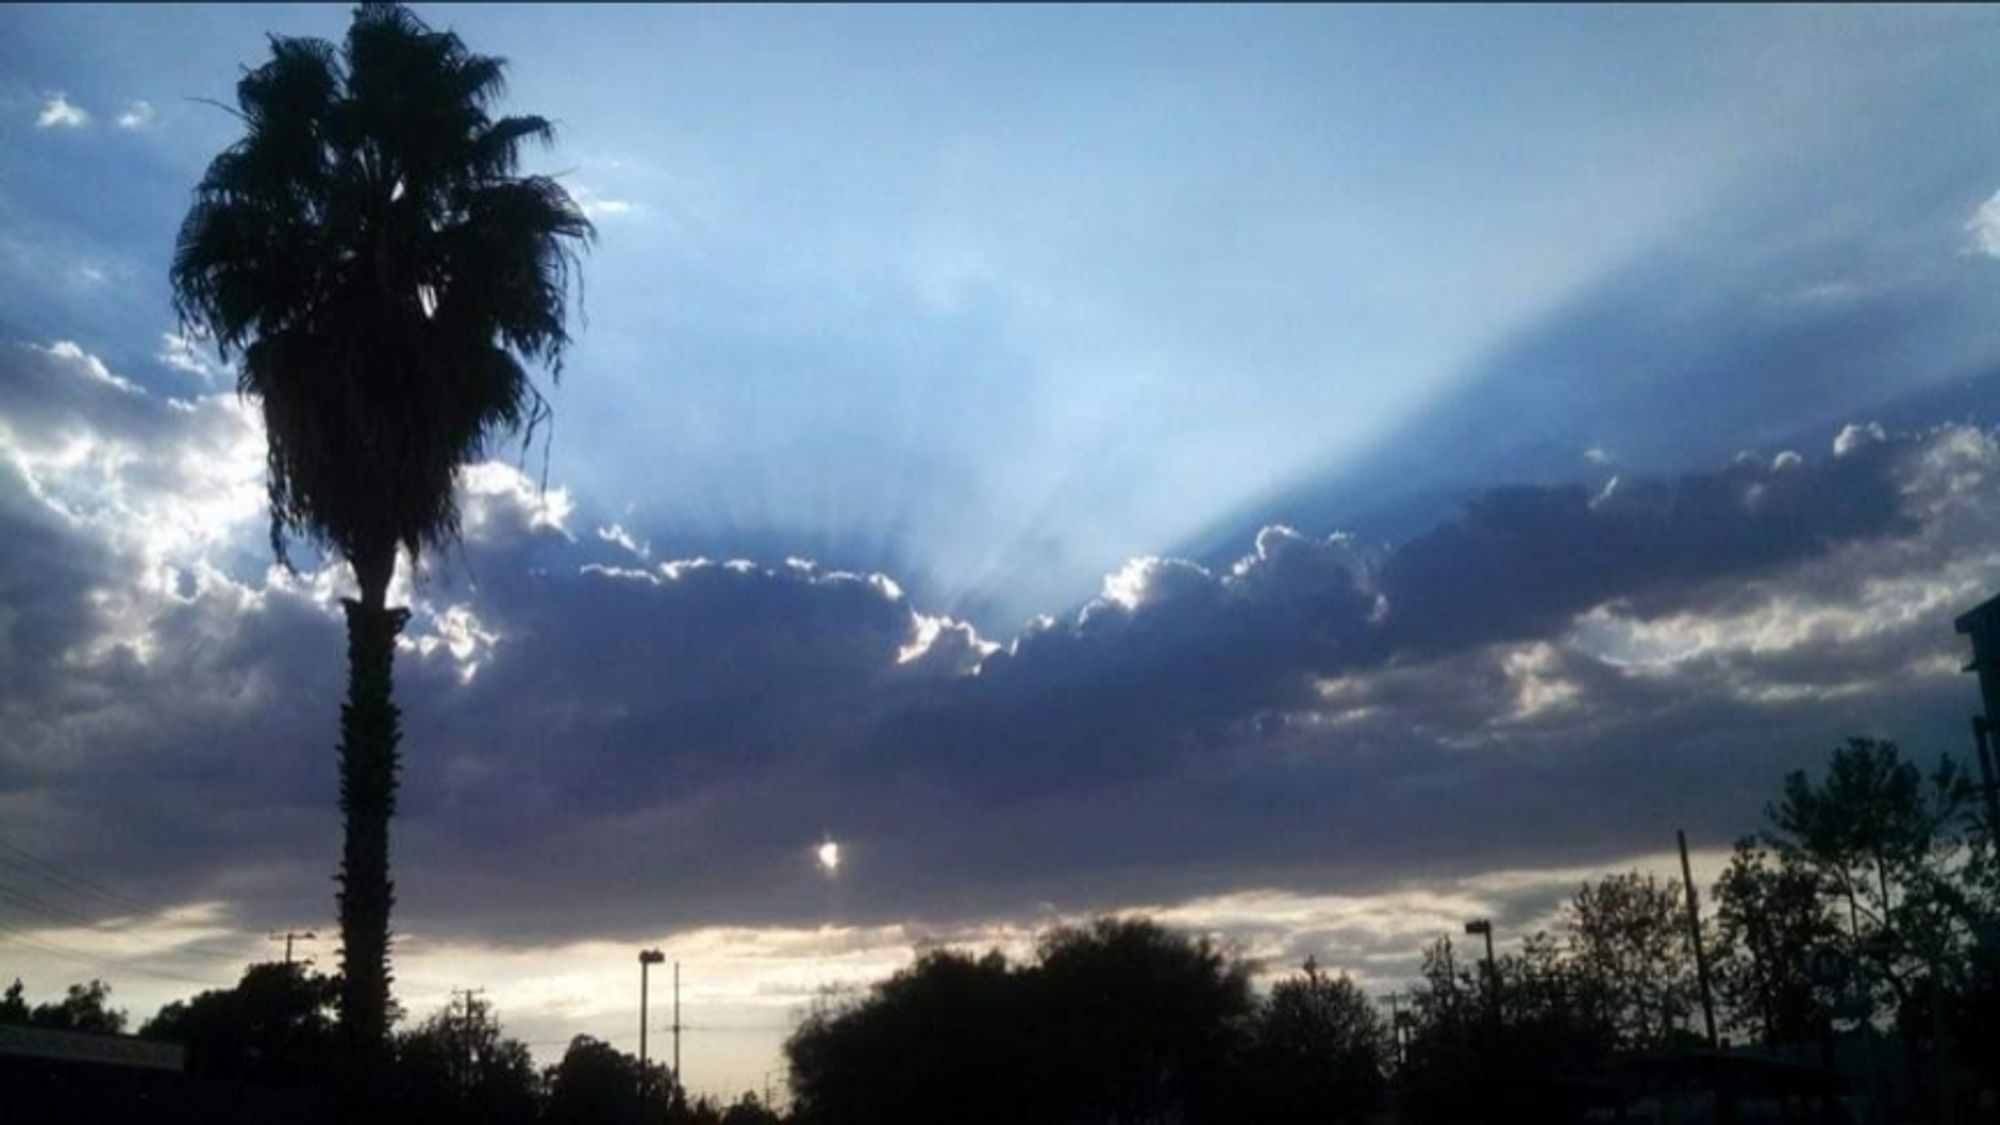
x,y
829,856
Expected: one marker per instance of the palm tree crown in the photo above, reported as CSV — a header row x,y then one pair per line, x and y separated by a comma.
x,y
370,252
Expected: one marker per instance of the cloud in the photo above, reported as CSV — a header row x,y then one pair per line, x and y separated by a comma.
x,y
137,115
1984,227
597,207
616,533
58,113
1855,436
592,733
186,354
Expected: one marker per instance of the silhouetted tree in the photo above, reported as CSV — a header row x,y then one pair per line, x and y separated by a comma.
x,y
1888,844
1552,1020
14,1004
945,1039
1555,1031
458,1067
1140,1022
1442,1056
85,1007
1771,915
1633,970
750,1110
273,1028
1318,1051
382,275
1119,1021
597,1084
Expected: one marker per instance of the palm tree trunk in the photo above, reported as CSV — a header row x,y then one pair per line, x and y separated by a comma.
x,y
368,737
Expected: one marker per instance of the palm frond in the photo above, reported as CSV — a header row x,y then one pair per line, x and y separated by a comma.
x,y
387,279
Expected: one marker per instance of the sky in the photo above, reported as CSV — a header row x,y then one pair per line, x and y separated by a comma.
x,y
1313,474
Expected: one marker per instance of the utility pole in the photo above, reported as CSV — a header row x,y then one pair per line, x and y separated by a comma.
x,y
1694,938
290,936
1395,1000
647,959
677,1026
463,998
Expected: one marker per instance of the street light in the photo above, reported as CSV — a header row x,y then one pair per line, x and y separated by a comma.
x,y
1484,927
647,959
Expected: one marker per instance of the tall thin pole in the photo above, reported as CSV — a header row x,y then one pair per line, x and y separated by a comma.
x,y
465,996
1694,938
645,967
1492,976
1396,1025
677,1026
1451,975
1484,927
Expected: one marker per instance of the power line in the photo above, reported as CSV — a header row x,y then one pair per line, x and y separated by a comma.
x,y
12,933
80,882
741,1027
32,901
745,1028
11,895
21,899
28,900
27,863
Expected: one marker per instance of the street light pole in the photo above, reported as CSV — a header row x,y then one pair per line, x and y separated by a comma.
x,y
647,959
1484,926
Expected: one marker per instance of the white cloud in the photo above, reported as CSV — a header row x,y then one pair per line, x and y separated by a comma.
x,y
57,112
599,208
1825,293
616,534
83,363
183,353
494,490
1852,437
138,115
1984,227
1535,671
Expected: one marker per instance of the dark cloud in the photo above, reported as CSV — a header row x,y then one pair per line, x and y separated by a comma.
x,y
1519,562
600,744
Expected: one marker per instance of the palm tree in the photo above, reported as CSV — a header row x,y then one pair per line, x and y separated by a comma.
x,y
386,281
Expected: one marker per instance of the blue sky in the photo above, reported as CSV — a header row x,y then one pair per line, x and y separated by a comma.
x,y
983,314
999,298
